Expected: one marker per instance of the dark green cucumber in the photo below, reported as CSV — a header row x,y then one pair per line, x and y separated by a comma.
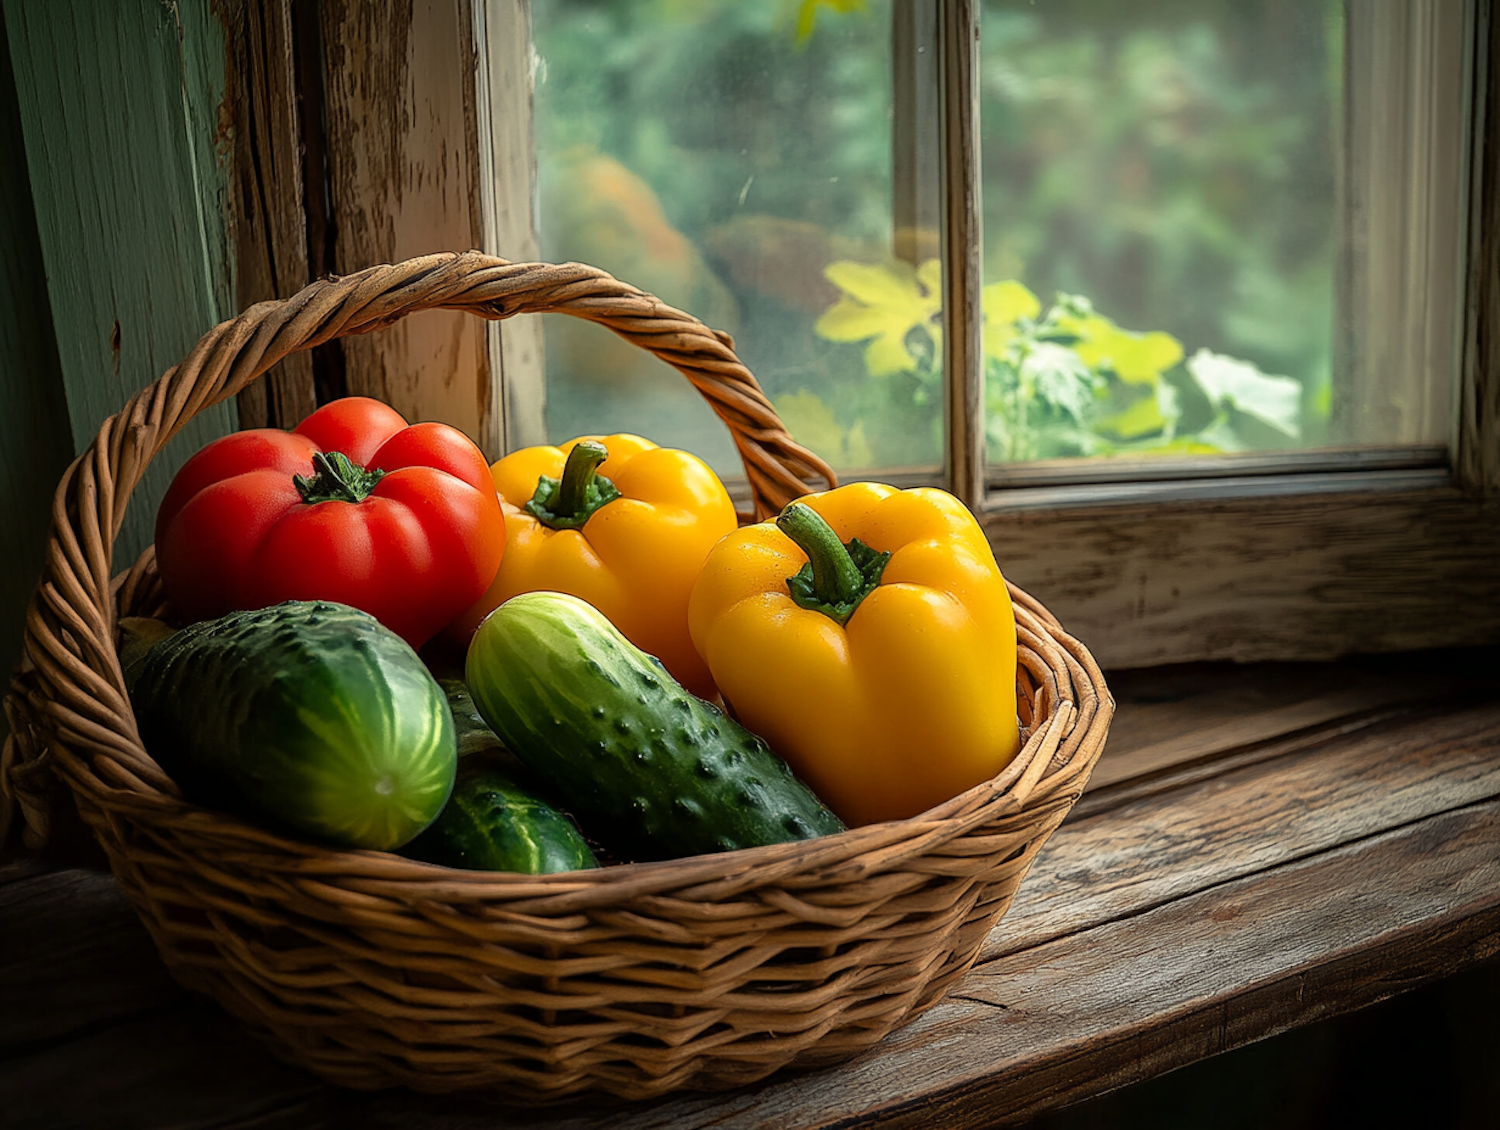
x,y
650,771
312,717
472,731
492,823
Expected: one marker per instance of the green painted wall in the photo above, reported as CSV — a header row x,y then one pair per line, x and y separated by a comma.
x,y
114,245
35,442
119,106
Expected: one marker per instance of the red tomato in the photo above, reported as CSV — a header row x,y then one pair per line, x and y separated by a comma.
x,y
353,506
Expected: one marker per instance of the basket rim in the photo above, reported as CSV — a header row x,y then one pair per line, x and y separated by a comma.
x,y
70,630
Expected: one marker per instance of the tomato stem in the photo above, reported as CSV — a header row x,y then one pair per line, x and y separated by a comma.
x,y
336,478
838,575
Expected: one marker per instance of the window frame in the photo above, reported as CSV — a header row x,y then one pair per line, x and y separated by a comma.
x,y
1370,551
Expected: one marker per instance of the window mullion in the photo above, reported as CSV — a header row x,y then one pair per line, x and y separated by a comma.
x,y
507,203
963,349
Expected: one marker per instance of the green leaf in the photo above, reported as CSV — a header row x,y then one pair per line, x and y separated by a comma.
x,y
1231,383
887,355
894,286
1060,377
1144,417
1006,304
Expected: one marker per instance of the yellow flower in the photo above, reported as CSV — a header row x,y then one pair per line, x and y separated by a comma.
x,y
1005,303
882,303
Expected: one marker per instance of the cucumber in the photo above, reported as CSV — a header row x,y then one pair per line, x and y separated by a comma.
x,y
492,823
309,716
651,771
471,731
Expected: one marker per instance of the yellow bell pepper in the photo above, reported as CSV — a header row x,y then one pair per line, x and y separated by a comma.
x,y
868,636
616,521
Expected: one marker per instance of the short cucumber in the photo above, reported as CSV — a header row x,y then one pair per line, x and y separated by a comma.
x,y
649,771
492,823
308,716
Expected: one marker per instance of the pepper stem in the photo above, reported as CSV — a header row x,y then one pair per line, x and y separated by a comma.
x,y
336,478
569,502
837,576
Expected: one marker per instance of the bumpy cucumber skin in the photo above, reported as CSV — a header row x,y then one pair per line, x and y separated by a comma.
x,y
309,716
492,823
649,771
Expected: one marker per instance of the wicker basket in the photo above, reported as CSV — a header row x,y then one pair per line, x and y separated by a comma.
x,y
371,970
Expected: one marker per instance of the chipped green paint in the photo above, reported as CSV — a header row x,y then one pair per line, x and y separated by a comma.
x,y
120,109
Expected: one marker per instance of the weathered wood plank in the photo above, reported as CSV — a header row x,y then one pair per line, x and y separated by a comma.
x,y
119,105
1157,849
1109,1006
187,1066
1234,964
73,957
401,131
506,153
268,218
1167,717
1298,578
1478,461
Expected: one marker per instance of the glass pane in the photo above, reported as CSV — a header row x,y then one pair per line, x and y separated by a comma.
x,y
1161,186
736,160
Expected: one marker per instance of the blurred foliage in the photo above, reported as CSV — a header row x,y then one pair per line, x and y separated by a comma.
x,y
1064,382
1172,159
1176,161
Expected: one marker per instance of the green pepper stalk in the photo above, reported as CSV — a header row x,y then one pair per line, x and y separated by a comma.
x,y
838,575
569,502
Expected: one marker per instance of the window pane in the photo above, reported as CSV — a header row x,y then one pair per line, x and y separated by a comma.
x,y
1178,230
737,161
1160,225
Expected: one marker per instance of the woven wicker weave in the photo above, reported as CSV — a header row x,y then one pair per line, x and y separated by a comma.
x,y
373,970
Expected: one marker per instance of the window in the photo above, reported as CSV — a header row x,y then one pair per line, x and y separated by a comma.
x,y
1248,489
437,133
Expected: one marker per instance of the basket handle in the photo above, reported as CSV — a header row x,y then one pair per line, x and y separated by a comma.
x,y
69,639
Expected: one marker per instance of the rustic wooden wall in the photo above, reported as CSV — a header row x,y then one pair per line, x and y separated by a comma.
x,y
127,160
402,139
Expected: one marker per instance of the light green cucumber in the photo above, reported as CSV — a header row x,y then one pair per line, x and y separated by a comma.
x,y
648,770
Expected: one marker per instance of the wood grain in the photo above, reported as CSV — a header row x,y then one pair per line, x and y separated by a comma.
x,y
1234,964
1307,578
268,220
508,183
120,111
1478,462
1158,849
83,960
401,144
1193,713
187,1067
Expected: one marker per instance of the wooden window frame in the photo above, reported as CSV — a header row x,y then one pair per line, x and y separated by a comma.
x,y
1328,554
352,147
1360,551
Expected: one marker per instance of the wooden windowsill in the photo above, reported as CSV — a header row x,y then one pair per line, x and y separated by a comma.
x,y
1261,847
